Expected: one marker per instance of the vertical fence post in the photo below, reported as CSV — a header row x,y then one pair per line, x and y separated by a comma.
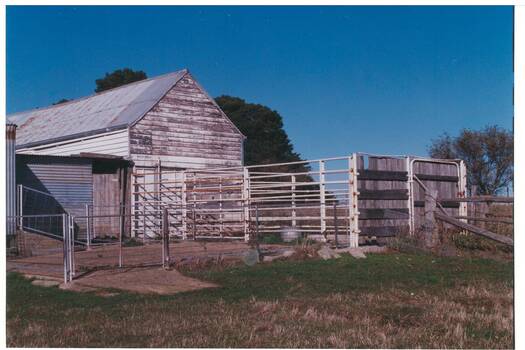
x,y
322,196
134,199
463,206
246,203
194,222
88,228
65,244
184,209
257,223
20,189
294,214
194,198
429,228
410,201
144,204
158,196
350,200
72,245
336,225
165,239
221,227
354,236
120,234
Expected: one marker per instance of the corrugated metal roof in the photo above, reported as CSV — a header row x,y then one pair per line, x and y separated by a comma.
x,y
108,110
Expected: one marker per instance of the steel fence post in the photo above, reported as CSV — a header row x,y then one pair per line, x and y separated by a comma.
x,y
336,227
120,234
354,237
165,239
64,247
246,203
322,196
72,245
20,206
88,228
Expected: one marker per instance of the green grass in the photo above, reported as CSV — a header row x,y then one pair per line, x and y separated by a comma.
x,y
391,300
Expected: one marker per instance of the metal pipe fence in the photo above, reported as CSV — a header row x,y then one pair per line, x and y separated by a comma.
x,y
220,203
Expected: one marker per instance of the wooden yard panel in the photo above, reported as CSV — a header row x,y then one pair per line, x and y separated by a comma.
x,y
383,196
439,177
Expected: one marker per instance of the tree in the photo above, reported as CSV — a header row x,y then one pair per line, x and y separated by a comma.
x,y
118,78
266,142
488,155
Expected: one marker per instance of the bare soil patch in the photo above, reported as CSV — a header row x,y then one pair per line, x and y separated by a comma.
x,y
151,279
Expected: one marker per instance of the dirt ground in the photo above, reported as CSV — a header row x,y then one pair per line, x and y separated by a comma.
x,y
98,267
151,279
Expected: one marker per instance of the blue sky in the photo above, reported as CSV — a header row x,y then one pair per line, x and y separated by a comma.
x,y
370,79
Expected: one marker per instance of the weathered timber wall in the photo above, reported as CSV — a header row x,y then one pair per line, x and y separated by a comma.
x,y
186,129
383,198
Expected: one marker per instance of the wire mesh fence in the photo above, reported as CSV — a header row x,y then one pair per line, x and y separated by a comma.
x,y
39,212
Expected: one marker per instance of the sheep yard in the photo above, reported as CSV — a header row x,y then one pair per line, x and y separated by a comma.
x,y
388,300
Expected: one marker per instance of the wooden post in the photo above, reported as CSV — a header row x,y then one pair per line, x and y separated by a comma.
x,y
430,227
462,188
165,239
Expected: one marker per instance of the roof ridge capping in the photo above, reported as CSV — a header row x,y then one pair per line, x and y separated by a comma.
x,y
182,71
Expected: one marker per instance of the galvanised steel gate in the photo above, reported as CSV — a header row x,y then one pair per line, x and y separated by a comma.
x,y
227,203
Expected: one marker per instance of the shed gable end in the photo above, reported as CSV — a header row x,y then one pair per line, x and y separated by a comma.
x,y
187,129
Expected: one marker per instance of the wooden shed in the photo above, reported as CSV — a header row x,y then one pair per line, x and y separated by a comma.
x,y
169,120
